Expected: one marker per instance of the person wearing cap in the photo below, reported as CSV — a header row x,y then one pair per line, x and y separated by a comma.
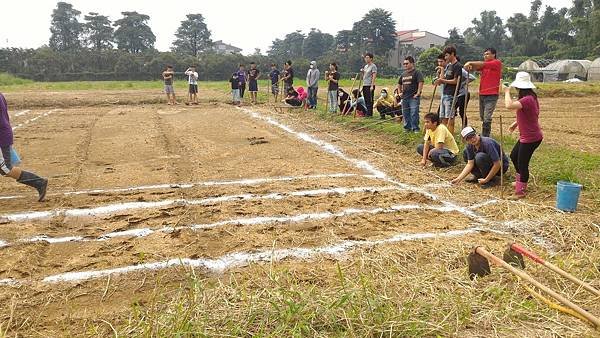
x,y
530,132
312,84
482,155
439,146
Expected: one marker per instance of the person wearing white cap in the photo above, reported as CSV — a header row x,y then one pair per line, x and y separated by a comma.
x,y
312,84
482,155
530,132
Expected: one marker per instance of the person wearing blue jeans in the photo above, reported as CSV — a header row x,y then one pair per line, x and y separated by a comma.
x,y
332,77
410,85
439,145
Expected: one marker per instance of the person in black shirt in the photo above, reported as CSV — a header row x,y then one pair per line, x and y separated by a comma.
x,y
292,98
288,76
253,75
274,75
235,88
332,78
452,78
410,86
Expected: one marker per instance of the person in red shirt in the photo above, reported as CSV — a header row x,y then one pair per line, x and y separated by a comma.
x,y
489,87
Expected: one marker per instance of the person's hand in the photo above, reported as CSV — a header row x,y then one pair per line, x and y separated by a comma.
x,y
437,82
423,162
482,181
372,87
505,87
455,181
512,128
468,66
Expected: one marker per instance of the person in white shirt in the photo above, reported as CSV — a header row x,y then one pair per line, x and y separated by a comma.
x,y
193,85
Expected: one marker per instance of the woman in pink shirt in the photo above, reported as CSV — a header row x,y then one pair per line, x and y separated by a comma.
x,y
530,133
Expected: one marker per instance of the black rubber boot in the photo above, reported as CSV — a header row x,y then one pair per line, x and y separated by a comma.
x,y
40,184
486,129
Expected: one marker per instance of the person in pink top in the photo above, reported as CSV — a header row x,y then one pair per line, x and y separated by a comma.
x,y
530,132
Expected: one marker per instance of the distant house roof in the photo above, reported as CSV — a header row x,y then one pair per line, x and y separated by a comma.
x,y
414,34
221,46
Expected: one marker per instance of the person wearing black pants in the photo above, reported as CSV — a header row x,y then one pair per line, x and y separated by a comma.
x,y
369,75
530,132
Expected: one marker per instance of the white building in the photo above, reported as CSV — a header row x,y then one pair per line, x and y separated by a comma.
x,y
223,48
412,42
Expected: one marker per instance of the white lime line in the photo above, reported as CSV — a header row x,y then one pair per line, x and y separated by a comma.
x,y
306,217
119,207
237,259
26,122
483,204
242,182
22,112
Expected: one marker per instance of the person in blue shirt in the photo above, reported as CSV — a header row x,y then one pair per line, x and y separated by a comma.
x,y
482,155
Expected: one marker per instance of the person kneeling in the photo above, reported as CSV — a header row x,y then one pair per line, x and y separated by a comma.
x,y
439,147
386,104
482,155
292,98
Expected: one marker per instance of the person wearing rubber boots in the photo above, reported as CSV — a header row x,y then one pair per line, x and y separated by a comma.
x,y
6,168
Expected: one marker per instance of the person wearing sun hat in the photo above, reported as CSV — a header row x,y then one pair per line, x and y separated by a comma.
x,y
530,132
482,155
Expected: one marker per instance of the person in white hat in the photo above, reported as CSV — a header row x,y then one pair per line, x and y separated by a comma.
x,y
312,84
530,132
482,155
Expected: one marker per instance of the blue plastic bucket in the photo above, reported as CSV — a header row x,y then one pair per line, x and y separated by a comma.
x,y
567,195
15,160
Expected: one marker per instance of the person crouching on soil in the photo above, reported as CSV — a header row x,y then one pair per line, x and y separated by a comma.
x,y
439,146
482,155
358,102
6,168
386,104
292,97
530,132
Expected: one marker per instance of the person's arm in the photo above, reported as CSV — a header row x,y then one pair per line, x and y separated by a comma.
x,y
474,65
466,170
373,77
419,91
491,174
513,126
508,102
425,153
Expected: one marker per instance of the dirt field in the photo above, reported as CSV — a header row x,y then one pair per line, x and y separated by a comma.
x,y
142,193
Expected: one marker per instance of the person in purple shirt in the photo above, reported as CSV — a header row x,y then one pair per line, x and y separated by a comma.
x,y
242,76
530,132
6,167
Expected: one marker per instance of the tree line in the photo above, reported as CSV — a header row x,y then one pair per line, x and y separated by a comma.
x,y
99,49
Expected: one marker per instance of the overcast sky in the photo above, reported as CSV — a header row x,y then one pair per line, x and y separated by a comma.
x,y
255,23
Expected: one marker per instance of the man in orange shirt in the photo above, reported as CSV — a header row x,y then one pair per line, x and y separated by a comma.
x,y
489,87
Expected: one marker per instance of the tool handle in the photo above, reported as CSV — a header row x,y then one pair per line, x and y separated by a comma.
x,y
516,247
523,275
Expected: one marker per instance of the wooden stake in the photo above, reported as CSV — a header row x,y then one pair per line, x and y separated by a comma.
x,y
501,159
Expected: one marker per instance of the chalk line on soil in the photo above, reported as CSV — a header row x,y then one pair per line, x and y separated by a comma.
x,y
237,259
118,207
34,119
22,112
248,181
143,232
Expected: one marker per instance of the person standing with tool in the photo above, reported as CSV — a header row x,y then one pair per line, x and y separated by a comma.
x,y
451,80
369,75
6,166
530,132
288,76
489,86
410,86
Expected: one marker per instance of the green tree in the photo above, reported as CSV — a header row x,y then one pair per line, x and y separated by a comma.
x,y
133,34
375,32
65,27
98,32
486,32
343,41
427,61
294,43
464,50
193,36
316,44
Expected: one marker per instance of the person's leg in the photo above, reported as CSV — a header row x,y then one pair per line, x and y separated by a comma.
x,y
514,156
489,106
420,149
368,100
442,157
414,113
435,157
24,177
483,162
332,101
525,154
316,97
406,115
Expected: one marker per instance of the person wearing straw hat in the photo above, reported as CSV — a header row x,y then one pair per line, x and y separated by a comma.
x,y
482,155
489,87
530,132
